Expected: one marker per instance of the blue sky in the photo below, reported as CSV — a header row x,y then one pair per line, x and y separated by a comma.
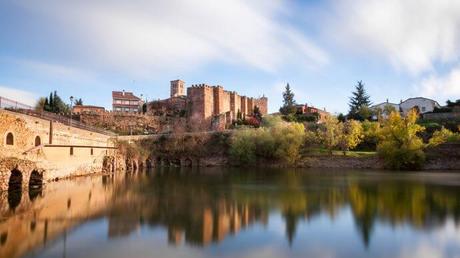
x,y
399,48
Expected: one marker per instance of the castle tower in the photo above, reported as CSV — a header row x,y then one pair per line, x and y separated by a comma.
x,y
177,88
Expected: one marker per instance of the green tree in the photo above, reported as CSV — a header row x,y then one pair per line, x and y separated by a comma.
x,y
257,113
399,145
359,100
79,102
288,101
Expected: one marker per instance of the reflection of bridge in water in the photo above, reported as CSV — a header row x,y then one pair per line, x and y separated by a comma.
x,y
202,207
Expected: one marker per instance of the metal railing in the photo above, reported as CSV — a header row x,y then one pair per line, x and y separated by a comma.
x,y
11,104
18,107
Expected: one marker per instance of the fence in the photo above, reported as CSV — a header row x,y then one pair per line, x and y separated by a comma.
x,y
11,104
18,107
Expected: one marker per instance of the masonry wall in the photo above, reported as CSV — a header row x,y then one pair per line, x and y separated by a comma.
x,y
54,154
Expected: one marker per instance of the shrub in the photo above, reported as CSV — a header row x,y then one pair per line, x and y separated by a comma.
x,y
399,145
243,147
442,136
281,141
330,133
351,136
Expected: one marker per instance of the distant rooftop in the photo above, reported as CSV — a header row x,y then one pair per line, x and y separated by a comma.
x,y
124,95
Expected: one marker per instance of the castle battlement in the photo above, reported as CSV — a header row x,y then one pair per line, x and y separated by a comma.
x,y
203,102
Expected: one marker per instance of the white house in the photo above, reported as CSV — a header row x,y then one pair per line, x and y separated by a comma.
x,y
424,105
380,108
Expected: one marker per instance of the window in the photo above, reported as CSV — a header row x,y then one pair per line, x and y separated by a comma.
x,y
423,109
134,103
118,109
125,102
9,139
38,141
118,101
71,151
92,152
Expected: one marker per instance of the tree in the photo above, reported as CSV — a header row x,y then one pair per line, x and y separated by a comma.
x,y
341,117
331,133
352,135
79,102
359,100
41,103
55,104
399,145
288,101
257,114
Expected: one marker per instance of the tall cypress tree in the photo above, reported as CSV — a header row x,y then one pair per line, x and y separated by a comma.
x,y
359,100
288,101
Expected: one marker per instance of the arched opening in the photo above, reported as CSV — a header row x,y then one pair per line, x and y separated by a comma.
x,y
175,162
3,238
38,141
129,165
165,163
35,185
15,188
9,139
149,163
188,162
92,152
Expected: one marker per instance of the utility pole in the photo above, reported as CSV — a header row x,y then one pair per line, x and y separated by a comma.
x,y
71,106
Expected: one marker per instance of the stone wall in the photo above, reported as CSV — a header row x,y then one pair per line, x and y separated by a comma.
x,y
125,123
62,150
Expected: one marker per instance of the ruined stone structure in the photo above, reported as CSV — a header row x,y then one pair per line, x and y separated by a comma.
x,y
36,148
207,107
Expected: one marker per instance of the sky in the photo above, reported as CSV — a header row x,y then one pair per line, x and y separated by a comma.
x,y
87,48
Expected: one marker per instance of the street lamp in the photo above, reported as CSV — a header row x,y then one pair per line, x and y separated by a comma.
x,y
71,106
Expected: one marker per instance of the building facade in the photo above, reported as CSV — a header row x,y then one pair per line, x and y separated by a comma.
x,y
126,102
207,107
80,109
304,109
423,105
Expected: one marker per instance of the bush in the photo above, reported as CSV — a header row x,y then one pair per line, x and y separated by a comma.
x,y
442,136
399,145
280,141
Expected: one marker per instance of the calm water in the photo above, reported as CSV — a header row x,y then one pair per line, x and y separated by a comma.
x,y
237,213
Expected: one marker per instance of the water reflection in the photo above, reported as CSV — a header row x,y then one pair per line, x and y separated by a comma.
x,y
204,208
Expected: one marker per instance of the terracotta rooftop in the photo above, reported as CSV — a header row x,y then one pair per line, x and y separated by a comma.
x,y
124,95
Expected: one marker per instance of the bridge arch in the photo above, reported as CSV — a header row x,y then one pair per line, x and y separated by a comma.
x,y
15,188
188,162
35,184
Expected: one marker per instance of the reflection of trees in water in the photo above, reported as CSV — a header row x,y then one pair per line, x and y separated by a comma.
x,y
201,209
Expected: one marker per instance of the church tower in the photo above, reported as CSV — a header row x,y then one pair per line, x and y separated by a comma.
x,y
177,88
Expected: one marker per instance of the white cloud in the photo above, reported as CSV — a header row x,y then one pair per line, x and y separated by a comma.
x,y
24,97
54,70
411,34
441,86
144,37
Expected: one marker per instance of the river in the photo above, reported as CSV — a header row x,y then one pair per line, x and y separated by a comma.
x,y
211,212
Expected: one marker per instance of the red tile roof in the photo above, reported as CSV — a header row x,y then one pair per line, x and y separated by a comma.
x,y
124,95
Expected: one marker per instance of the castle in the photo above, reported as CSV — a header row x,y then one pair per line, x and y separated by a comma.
x,y
207,107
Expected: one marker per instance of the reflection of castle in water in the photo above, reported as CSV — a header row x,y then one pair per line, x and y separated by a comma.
x,y
204,209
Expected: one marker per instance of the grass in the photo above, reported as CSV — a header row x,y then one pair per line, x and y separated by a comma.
x,y
323,151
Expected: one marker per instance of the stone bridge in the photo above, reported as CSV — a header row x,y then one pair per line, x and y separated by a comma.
x,y
39,147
